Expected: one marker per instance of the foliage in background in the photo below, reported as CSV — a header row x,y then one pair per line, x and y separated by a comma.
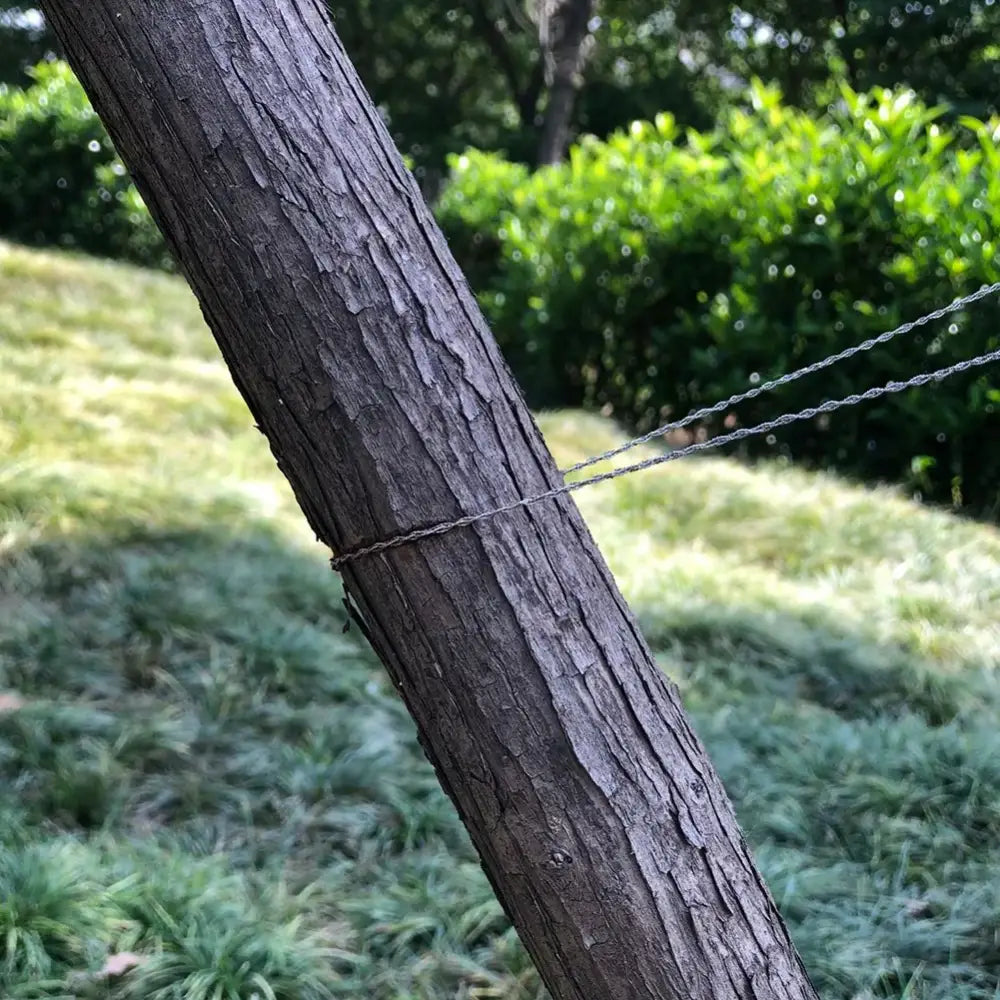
x,y
211,790
662,271
945,50
452,75
25,40
61,182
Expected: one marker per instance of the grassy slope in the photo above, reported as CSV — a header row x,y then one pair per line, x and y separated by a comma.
x,y
201,767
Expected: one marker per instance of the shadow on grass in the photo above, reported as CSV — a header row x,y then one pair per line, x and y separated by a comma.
x,y
176,677
722,655
191,703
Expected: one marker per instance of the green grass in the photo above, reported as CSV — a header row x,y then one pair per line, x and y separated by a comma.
x,y
207,780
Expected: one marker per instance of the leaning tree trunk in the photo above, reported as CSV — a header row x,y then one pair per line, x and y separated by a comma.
x,y
359,348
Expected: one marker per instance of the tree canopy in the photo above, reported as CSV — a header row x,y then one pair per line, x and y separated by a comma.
x,y
453,74
450,74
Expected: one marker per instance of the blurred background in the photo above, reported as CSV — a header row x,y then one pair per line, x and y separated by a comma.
x,y
210,790
747,192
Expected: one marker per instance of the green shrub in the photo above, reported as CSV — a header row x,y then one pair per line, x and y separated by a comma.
x,y
658,272
61,182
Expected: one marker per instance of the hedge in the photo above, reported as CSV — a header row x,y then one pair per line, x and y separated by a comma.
x,y
659,272
61,182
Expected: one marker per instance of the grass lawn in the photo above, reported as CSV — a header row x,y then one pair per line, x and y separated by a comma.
x,y
206,779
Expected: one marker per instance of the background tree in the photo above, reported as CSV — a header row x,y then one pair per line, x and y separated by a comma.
x,y
449,75
565,36
426,64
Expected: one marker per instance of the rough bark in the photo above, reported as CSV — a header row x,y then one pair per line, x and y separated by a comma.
x,y
359,348
565,41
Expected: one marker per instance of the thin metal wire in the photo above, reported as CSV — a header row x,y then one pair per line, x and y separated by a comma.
x,y
738,435
742,397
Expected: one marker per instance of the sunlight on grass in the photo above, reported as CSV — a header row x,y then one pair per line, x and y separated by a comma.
x,y
780,540
213,791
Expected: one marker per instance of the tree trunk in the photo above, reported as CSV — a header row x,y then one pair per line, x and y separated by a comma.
x,y
846,43
524,87
359,348
565,41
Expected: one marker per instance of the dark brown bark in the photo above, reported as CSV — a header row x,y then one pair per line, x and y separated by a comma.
x,y
565,40
360,350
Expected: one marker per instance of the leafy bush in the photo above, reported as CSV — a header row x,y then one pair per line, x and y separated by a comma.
x,y
658,272
61,182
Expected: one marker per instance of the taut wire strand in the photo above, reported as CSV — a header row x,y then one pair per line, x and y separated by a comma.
x,y
744,432
742,397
